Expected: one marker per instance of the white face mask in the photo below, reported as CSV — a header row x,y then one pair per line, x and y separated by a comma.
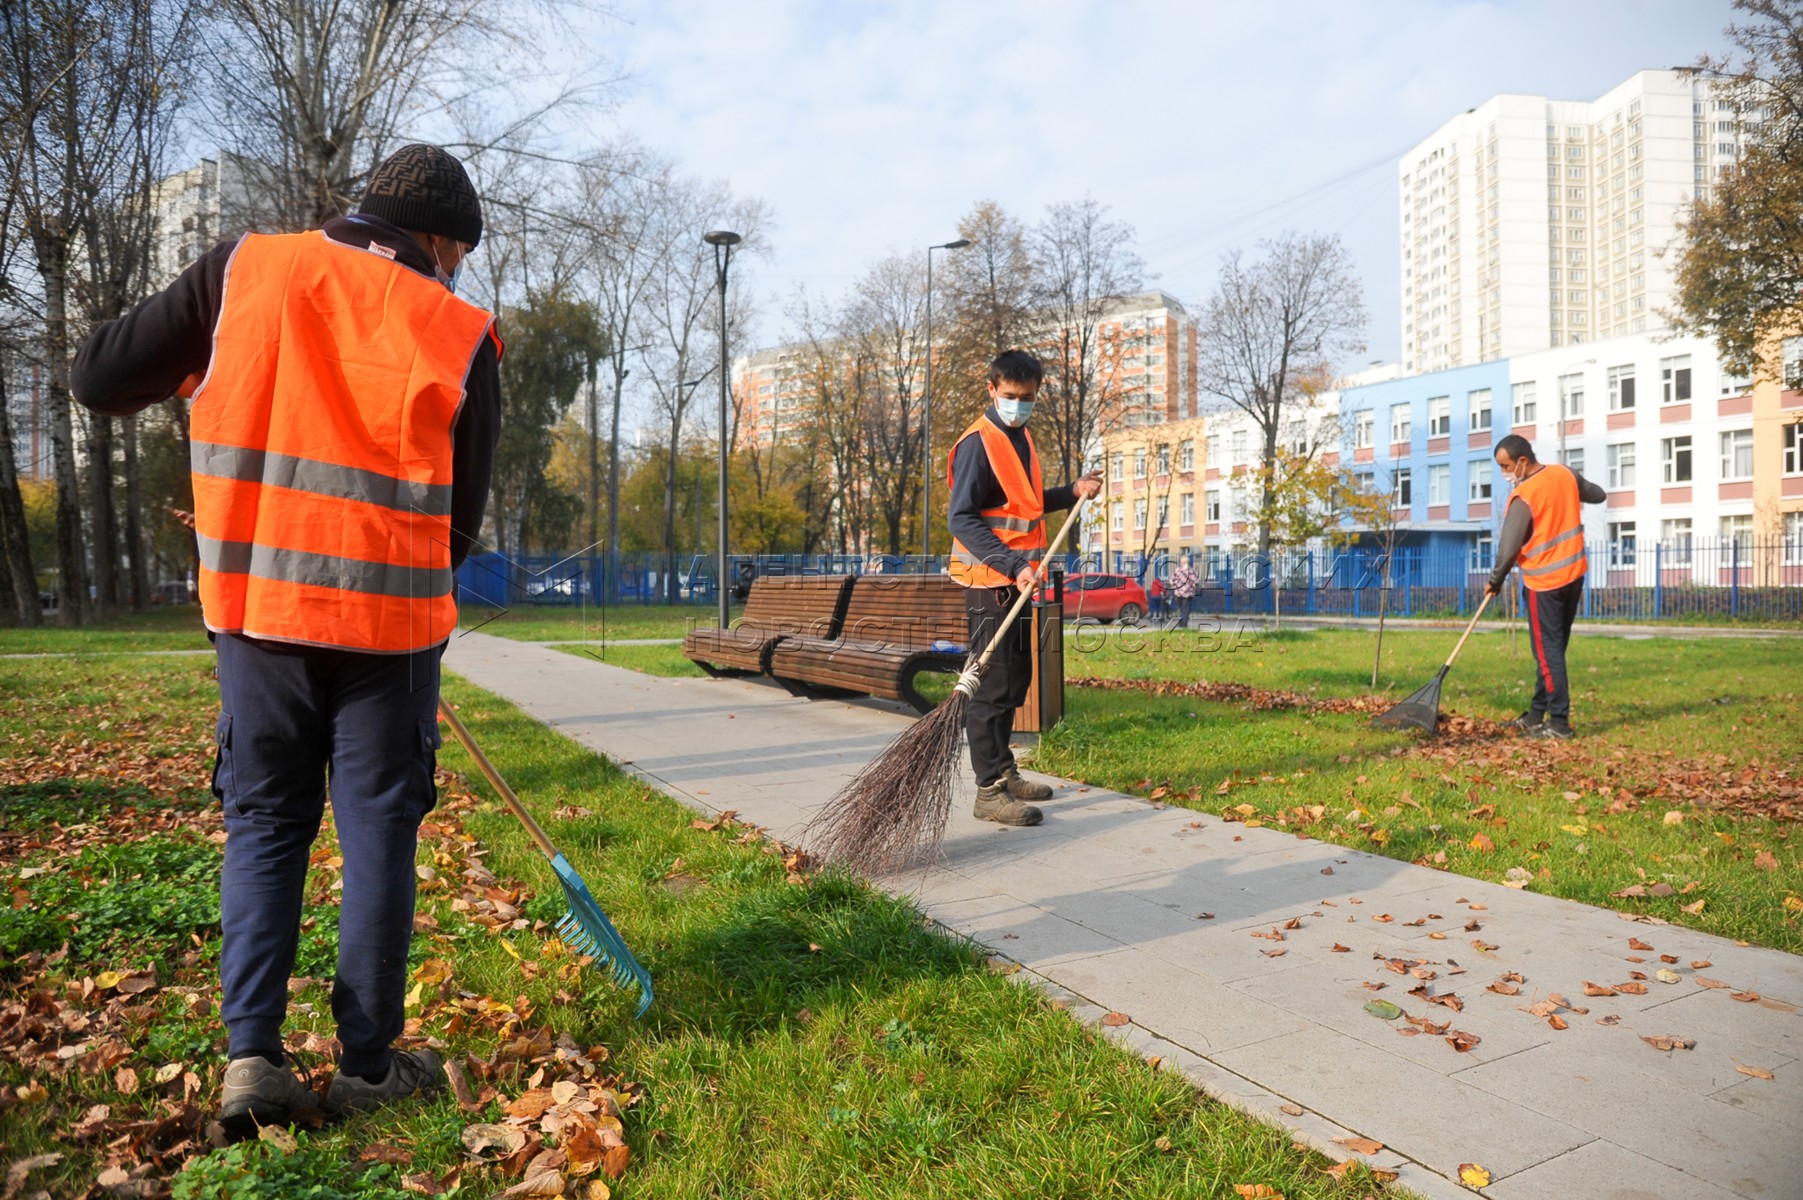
x,y
450,279
1014,413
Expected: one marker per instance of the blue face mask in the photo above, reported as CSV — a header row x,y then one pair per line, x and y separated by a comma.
x,y
455,277
1014,413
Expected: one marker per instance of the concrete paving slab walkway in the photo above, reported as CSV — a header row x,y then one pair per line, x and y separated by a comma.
x,y
1245,957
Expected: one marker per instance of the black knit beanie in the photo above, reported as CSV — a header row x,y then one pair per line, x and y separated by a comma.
x,y
425,189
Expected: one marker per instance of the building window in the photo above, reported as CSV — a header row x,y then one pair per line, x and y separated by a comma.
x,y
1571,395
1737,454
1362,429
1793,539
1139,463
1573,458
1439,483
1187,454
1401,422
1116,519
1674,458
1212,505
1164,459
1621,545
1479,475
1239,446
1621,388
1522,396
1139,514
1114,466
1403,482
1211,447
1479,409
1793,449
1164,513
1621,466
1674,379
1189,508
1674,542
1737,528
1793,368
1439,416
1483,553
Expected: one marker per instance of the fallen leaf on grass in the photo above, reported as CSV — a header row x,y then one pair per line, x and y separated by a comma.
x,y
1256,1191
1693,909
1360,1145
16,1173
489,1142
1472,1175
382,1152
1755,1072
1669,1042
1481,841
1115,1020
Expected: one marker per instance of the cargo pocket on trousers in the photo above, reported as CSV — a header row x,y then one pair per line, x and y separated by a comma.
x,y
429,742
222,760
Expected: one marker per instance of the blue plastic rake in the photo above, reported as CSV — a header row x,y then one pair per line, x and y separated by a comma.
x,y
585,928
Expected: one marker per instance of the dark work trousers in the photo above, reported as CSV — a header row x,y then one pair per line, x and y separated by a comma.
x,y
989,718
289,714
1550,615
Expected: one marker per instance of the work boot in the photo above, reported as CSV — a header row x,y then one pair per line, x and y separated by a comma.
x,y
409,1071
258,1093
1023,789
1527,722
1552,731
995,804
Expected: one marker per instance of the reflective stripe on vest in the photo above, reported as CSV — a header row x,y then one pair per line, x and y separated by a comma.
x,y
1019,522
1554,555
322,446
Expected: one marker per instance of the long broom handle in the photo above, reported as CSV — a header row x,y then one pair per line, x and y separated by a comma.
x,y
1021,601
1468,629
494,777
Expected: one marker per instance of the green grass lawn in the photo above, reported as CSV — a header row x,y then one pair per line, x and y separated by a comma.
x,y
1703,728
548,623
810,1037
171,627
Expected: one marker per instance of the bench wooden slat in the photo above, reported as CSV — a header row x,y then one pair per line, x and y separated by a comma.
x,y
779,606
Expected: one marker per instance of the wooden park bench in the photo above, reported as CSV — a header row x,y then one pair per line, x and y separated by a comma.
x,y
778,607
895,627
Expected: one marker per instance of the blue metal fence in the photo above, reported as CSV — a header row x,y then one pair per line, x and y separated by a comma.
x,y
1753,579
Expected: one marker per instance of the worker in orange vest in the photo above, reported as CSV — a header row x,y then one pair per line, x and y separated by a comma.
x,y
997,517
1544,528
345,410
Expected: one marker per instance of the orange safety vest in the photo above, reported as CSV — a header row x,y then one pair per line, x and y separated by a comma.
x,y
322,447
1019,522
1554,555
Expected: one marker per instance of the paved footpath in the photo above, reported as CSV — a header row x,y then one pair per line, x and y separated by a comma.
x,y
1103,905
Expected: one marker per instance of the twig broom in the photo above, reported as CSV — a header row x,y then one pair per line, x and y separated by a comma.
x,y
898,804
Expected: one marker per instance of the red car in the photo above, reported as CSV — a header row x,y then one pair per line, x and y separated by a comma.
x,y
1102,598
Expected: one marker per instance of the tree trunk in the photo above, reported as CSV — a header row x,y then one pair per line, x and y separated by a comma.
x,y
135,546
52,249
670,520
1383,605
105,535
613,487
15,539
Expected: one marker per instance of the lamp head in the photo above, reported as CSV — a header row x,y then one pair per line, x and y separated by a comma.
x,y
721,237
960,244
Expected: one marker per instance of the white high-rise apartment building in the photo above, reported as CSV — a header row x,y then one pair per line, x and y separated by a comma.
x,y
1529,223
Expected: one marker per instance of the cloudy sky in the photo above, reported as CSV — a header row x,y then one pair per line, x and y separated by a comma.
x,y
870,128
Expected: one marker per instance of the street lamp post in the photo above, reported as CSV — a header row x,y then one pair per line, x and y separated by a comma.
x,y
926,424
722,241
612,554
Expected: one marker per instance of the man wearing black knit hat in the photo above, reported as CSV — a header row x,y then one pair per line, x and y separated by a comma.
x,y
345,409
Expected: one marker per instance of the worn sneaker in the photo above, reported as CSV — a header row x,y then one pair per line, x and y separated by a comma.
x,y
258,1093
1024,789
1527,722
995,804
409,1071
1553,731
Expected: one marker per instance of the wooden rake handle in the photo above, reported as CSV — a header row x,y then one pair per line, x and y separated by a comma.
x,y
1468,628
494,777
975,670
